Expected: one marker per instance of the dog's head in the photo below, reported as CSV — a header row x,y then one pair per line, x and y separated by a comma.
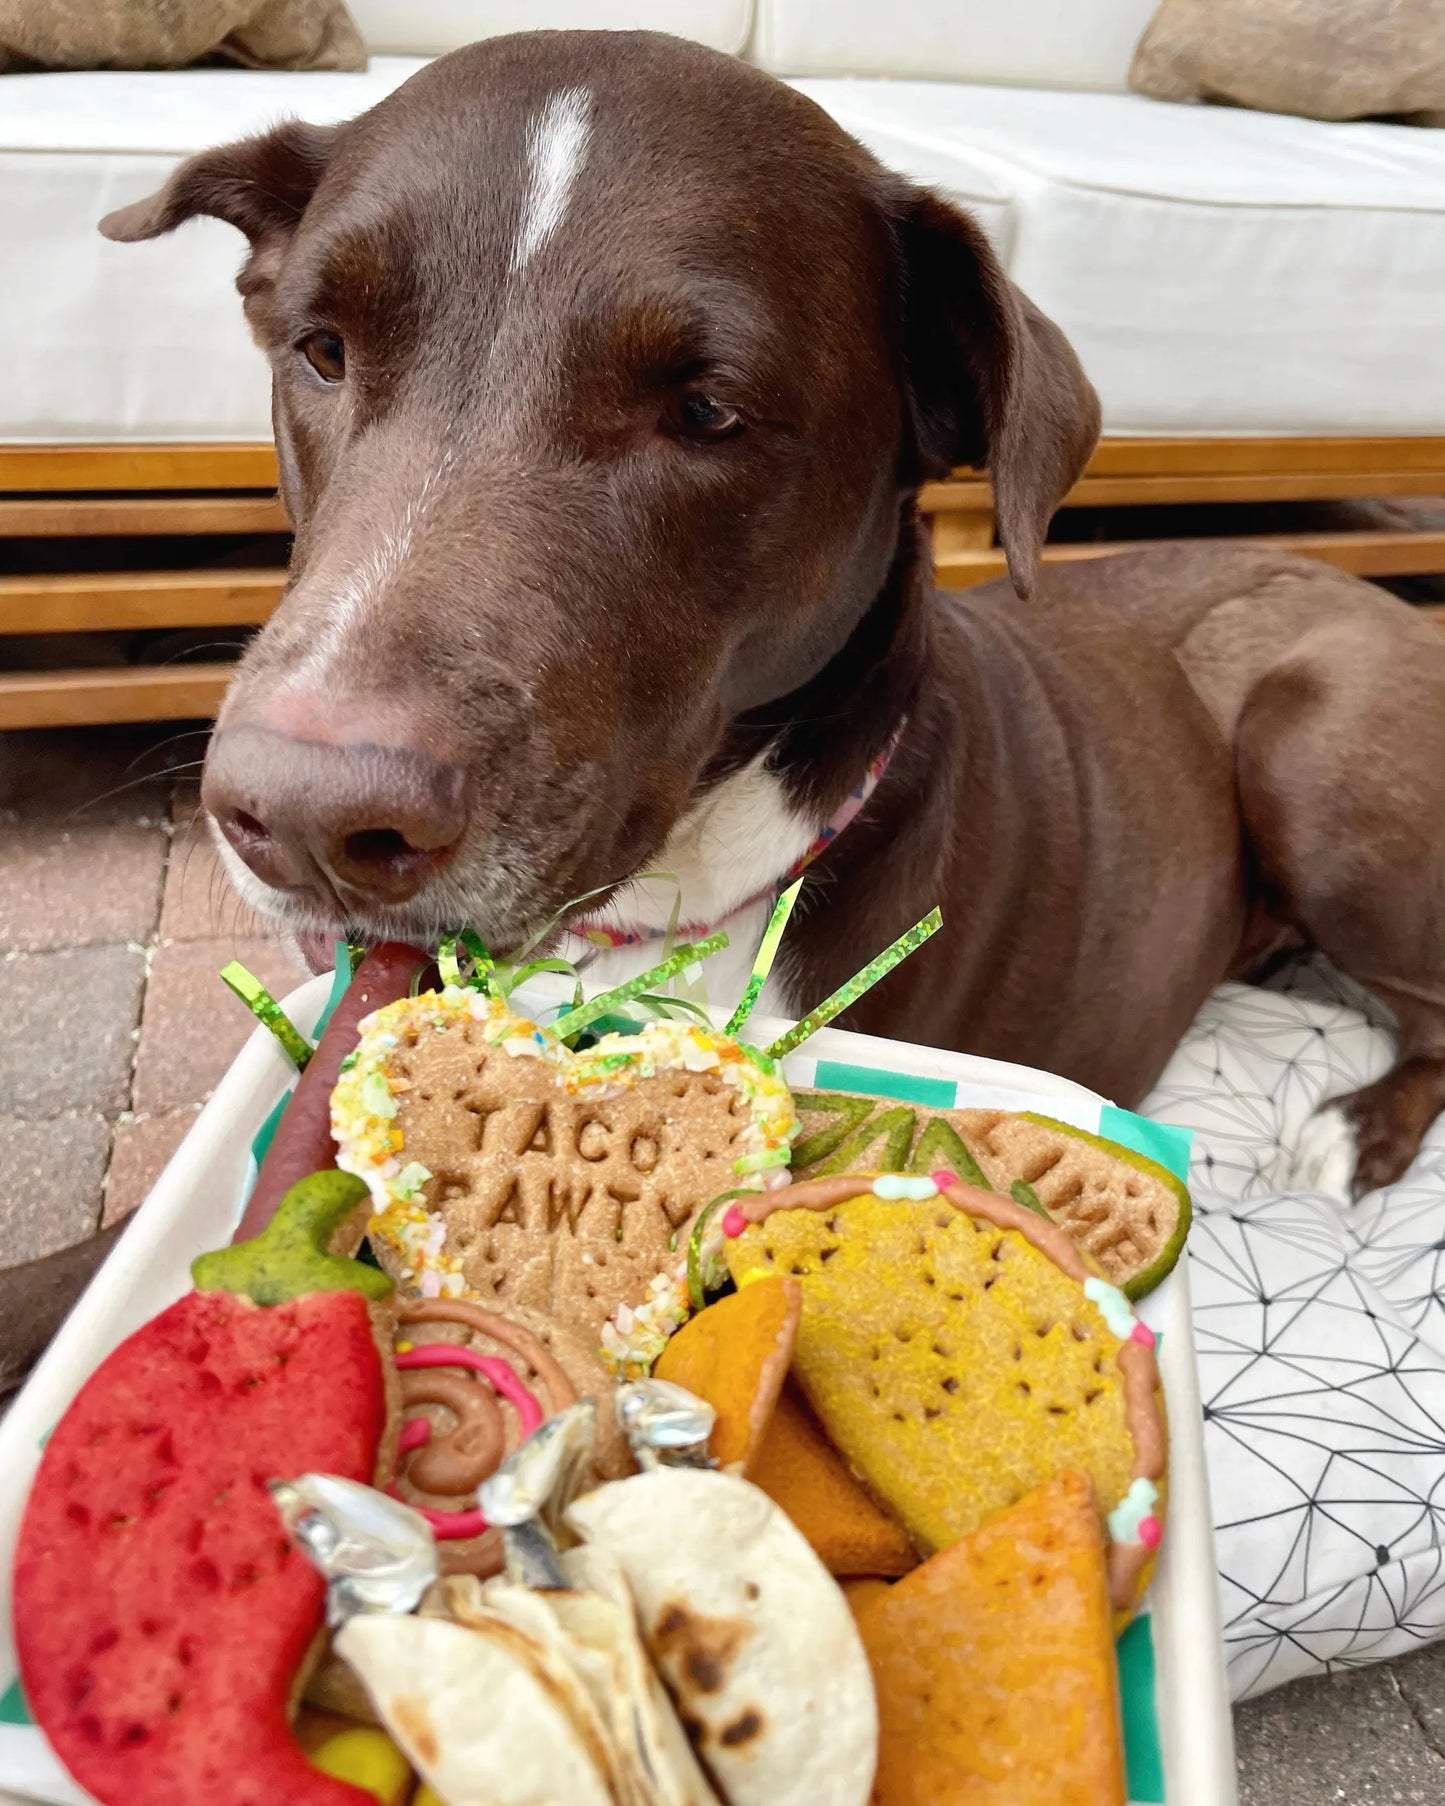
x,y
605,369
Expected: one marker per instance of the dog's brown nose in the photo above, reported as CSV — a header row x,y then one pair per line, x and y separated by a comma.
x,y
358,824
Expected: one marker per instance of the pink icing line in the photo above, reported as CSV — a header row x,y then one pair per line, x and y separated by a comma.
x,y
414,1433
501,1376
1142,1333
1150,1532
734,1222
943,1178
447,1526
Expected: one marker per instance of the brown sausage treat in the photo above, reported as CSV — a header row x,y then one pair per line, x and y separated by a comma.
x,y
302,1143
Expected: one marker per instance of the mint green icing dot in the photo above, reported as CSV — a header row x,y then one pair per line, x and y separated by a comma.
x,y
904,1185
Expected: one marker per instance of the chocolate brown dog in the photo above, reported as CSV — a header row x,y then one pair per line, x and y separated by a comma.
x,y
606,373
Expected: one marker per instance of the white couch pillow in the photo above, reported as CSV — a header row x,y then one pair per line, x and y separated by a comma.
x,y
429,27
1024,43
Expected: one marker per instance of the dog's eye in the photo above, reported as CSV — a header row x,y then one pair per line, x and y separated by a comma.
x,y
698,416
326,354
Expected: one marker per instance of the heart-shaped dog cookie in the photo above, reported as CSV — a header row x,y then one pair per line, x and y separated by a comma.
x,y
508,1169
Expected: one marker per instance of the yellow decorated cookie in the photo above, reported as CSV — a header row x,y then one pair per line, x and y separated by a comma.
x,y
959,1354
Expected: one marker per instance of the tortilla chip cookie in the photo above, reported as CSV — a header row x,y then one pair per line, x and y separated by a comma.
x,y
799,1469
958,1354
994,1665
735,1355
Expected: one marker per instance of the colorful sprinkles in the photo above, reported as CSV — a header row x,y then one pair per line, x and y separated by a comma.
x,y
372,1146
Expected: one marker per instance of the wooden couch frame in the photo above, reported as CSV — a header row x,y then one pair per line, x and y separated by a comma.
x,y
135,490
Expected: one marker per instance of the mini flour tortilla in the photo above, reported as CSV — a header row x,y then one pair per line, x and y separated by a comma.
x,y
594,1629
486,1716
750,1632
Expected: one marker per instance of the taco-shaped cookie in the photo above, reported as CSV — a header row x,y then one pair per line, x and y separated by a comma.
x,y
1128,1213
958,1352
994,1664
752,1636
162,1614
487,1714
507,1169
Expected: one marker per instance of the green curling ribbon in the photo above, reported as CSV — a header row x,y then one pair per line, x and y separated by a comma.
x,y
480,965
607,1001
697,1296
863,981
767,953
264,1007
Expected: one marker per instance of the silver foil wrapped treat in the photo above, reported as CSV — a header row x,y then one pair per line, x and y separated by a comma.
x,y
665,1425
375,1553
528,1493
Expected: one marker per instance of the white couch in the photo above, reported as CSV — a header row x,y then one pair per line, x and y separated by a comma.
x,y
1220,271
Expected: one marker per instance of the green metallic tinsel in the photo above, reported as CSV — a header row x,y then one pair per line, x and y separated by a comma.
x,y
264,1007
863,981
607,1001
767,953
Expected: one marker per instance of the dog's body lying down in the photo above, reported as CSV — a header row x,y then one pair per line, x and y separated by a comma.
x,y
606,373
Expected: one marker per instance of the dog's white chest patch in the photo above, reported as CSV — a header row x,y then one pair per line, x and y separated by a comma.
x,y
557,139
727,855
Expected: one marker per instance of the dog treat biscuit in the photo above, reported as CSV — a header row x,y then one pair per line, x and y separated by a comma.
x,y
1129,1214
735,1355
507,1169
958,1353
474,1384
994,1664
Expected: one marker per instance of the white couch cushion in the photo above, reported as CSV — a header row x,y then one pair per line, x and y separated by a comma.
x,y
106,341
428,27
1219,271
1031,43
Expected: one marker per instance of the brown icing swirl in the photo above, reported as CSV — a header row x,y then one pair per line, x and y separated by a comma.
x,y
473,1449
532,1349
452,1464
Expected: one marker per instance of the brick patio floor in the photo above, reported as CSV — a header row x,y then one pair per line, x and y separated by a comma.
x,y
115,920
114,923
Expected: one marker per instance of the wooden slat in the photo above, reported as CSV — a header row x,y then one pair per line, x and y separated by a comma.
x,y
131,693
83,517
88,602
34,468
941,499
1365,554
1158,456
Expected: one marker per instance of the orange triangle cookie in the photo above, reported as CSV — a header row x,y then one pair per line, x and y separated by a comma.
x,y
994,1665
799,1469
735,1355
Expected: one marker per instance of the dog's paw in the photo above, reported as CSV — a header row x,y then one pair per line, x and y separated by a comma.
x,y
1324,1158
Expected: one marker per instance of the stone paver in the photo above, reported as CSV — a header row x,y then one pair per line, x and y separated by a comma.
x,y
1422,1686
193,1027
1350,1738
50,1174
141,1148
88,881
69,1019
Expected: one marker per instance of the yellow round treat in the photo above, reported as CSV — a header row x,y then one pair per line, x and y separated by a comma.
x,y
368,1759
953,1362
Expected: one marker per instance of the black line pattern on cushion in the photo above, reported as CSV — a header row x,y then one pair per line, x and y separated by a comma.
x,y
1321,1339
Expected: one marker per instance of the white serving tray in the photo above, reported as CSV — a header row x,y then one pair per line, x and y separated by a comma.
x,y
197,1201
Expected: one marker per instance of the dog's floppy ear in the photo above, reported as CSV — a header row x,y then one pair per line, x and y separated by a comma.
x,y
992,381
259,184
